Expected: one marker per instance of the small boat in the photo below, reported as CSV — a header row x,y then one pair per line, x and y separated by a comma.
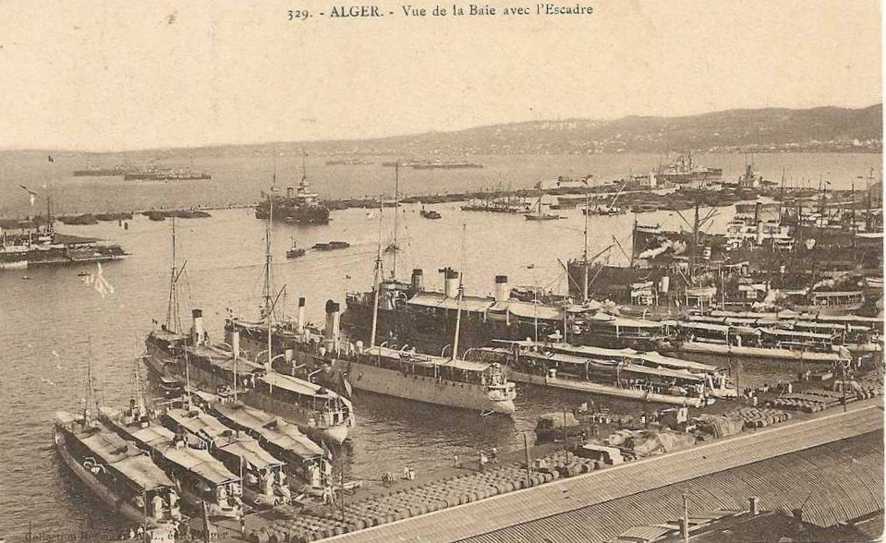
x,y
539,214
603,210
332,245
263,479
117,471
430,214
198,476
553,427
294,251
305,459
83,274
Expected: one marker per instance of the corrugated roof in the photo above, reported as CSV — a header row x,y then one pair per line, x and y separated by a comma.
x,y
781,465
817,479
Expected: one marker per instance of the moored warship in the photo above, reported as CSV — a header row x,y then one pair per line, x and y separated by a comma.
x,y
298,206
116,471
31,246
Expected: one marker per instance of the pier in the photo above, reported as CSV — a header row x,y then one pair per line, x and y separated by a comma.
x,y
506,502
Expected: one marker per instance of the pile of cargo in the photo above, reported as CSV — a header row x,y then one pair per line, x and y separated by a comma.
x,y
868,386
759,417
719,426
809,401
640,443
313,523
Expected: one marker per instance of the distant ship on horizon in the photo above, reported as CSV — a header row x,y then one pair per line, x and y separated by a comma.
x,y
433,164
164,174
91,171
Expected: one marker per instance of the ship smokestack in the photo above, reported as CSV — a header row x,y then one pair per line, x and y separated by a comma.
x,y
235,343
332,323
502,290
199,333
450,283
417,280
300,318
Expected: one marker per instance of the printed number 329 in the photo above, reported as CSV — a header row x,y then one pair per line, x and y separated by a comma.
x,y
298,14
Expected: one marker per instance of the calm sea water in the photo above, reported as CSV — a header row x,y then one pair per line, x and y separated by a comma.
x,y
238,176
52,323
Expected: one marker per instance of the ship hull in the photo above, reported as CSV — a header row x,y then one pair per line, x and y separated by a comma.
x,y
393,383
15,265
57,261
598,389
829,310
116,502
296,215
433,334
422,389
720,355
301,417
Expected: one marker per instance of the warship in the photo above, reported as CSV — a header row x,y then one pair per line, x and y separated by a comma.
x,y
116,471
298,206
404,373
41,245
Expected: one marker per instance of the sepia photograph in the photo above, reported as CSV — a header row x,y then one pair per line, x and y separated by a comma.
x,y
593,271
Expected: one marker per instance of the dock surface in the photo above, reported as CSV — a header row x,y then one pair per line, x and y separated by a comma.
x,y
516,508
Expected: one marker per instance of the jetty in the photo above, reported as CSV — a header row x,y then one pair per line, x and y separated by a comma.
x,y
506,501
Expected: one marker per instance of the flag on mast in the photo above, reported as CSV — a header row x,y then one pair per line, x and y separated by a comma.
x,y
32,196
98,282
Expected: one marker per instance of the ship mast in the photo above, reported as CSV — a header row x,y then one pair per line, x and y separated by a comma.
x,y
396,247
173,318
461,294
584,289
269,306
377,277
139,394
90,392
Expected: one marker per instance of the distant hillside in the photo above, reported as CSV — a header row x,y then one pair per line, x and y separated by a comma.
x,y
818,129
823,129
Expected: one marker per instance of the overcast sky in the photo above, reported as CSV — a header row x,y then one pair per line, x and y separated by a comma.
x,y
101,75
